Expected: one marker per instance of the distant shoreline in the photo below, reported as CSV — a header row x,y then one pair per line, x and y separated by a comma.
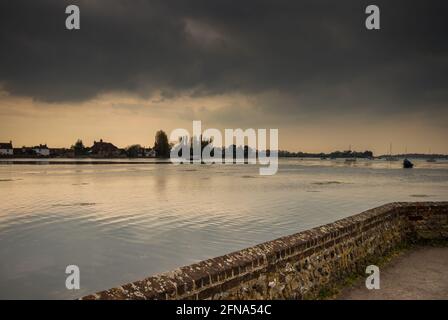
x,y
93,161
45,161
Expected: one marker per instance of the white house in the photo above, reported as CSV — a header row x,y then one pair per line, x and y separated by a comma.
x,y
6,149
42,150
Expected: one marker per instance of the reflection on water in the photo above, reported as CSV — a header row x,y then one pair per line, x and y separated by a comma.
x,y
122,222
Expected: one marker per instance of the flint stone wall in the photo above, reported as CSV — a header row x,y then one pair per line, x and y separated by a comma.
x,y
300,265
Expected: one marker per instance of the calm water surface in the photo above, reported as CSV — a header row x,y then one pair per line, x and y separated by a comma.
x,y
123,222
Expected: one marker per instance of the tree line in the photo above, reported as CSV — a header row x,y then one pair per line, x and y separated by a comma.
x,y
161,147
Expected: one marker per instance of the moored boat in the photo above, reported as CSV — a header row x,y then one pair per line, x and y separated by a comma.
x,y
407,164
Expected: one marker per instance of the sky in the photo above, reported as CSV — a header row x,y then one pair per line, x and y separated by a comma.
x,y
309,68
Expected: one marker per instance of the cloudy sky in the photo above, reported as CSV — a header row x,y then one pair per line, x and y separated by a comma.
x,y
307,67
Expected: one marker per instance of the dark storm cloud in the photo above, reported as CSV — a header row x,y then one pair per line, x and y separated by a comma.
x,y
316,52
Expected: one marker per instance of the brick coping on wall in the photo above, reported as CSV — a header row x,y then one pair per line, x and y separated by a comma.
x,y
297,265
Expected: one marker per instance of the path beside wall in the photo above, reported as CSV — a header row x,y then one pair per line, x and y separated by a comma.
x,y
417,274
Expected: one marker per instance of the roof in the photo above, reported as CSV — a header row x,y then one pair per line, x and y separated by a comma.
x,y
7,145
103,147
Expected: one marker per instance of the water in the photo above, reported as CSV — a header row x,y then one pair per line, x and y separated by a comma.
x,y
123,222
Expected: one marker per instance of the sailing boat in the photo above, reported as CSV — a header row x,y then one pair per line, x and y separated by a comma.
x,y
431,157
407,164
351,160
390,157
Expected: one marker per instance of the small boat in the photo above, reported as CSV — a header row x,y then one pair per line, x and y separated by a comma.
x,y
390,157
407,164
431,157
351,160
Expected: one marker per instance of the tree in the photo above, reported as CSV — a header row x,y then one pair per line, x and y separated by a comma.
x,y
161,145
79,148
133,151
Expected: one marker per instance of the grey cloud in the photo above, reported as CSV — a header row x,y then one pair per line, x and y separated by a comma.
x,y
315,52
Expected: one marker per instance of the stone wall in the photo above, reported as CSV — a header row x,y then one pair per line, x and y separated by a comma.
x,y
298,266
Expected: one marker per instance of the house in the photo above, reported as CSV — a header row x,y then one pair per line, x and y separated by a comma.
x,y
104,149
41,150
24,152
6,149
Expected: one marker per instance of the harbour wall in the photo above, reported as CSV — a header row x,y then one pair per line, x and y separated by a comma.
x,y
298,266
